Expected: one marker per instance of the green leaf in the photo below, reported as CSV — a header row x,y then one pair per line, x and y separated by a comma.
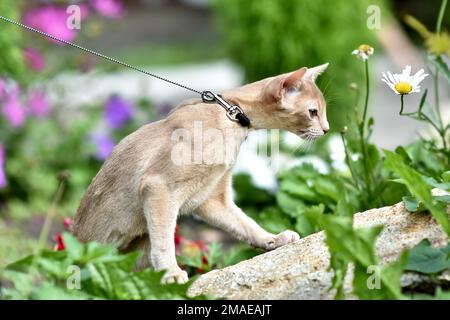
x,y
380,282
74,248
442,66
402,152
373,157
327,187
422,100
48,291
426,259
413,205
299,190
435,184
247,193
391,192
418,187
339,267
304,225
274,221
238,254
444,198
104,274
288,203
446,176
357,246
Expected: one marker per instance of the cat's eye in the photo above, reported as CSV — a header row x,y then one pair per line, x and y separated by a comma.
x,y
313,113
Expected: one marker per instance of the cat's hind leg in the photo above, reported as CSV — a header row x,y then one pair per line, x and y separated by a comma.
x,y
161,212
142,244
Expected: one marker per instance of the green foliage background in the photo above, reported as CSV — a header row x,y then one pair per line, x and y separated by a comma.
x,y
11,59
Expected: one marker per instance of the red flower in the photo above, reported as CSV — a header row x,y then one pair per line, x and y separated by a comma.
x,y
59,242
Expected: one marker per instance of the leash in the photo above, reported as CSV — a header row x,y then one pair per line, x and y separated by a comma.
x,y
234,112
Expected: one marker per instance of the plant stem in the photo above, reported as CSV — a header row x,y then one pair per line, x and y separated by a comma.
x,y
48,222
362,132
443,130
430,121
366,102
347,160
401,108
441,16
436,98
401,104
439,128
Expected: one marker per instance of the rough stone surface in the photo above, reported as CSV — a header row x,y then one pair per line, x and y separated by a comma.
x,y
300,270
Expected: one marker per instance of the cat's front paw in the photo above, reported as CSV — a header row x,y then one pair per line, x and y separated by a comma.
x,y
176,275
281,239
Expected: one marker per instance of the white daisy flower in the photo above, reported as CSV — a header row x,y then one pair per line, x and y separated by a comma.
x,y
404,83
363,52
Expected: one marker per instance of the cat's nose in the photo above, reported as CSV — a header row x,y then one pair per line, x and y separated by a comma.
x,y
325,130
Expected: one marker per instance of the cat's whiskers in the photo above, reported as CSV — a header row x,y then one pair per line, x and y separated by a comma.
x,y
306,144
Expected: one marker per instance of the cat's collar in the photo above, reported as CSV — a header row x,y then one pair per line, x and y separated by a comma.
x,y
234,112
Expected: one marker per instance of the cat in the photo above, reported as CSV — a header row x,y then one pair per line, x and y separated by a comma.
x,y
148,180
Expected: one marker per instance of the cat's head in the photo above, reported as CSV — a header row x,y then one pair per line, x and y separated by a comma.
x,y
297,103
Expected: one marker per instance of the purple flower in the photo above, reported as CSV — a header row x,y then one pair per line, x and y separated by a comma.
x,y
38,104
108,8
103,146
51,19
118,112
164,109
13,110
34,59
2,169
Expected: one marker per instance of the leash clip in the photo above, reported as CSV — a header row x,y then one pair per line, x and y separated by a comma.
x,y
234,112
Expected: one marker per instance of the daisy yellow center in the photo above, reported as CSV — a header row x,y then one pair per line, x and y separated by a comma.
x,y
364,48
403,87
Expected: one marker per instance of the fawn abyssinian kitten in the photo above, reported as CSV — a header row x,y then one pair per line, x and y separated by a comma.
x,y
137,195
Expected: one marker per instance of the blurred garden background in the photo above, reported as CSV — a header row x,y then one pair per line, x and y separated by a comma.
x,y
62,110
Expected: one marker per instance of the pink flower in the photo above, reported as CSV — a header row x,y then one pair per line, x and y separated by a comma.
x,y
51,19
38,104
108,8
84,9
35,60
67,223
2,167
13,110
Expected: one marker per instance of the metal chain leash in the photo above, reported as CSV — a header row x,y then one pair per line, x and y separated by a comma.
x,y
234,113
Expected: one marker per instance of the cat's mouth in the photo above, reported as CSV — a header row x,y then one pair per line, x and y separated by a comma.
x,y
308,134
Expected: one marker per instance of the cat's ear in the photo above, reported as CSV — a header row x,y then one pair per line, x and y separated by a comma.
x,y
285,82
313,73
293,78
